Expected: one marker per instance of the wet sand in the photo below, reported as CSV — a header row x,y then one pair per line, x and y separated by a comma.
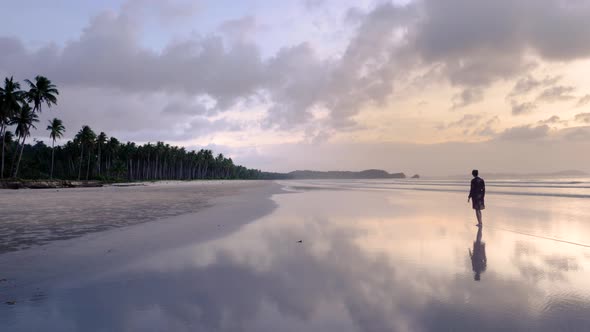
x,y
367,258
37,217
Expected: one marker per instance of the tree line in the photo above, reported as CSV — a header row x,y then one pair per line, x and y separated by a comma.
x,y
91,156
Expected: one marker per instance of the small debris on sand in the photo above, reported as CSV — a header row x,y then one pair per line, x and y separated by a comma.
x,y
11,302
300,241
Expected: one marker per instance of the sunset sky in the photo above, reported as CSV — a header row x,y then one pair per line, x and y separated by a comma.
x,y
434,87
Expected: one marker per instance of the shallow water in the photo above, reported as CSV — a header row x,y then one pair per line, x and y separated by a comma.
x,y
368,260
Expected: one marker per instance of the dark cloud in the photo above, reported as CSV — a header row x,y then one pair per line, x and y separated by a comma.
x,y
182,109
528,84
472,31
557,93
467,97
522,108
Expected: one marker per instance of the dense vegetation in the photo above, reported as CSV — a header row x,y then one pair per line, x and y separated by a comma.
x,y
90,155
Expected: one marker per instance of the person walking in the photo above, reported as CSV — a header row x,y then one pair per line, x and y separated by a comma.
x,y
477,195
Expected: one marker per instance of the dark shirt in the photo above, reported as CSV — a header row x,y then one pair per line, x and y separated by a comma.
x,y
478,188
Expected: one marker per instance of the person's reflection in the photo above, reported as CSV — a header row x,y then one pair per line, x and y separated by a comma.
x,y
478,256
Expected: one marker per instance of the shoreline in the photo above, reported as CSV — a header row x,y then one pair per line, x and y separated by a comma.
x,y
9,184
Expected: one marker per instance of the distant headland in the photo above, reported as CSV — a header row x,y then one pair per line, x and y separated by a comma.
x,y
366,174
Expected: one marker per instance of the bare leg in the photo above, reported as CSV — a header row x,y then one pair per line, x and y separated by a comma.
x,y
478,215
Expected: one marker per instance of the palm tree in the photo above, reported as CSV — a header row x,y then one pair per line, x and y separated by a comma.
x,y
56,130
86,138
10,96
24,120
40,92
100,141
111,148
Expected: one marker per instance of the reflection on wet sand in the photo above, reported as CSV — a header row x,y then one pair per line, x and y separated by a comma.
x,y
369,261
478,257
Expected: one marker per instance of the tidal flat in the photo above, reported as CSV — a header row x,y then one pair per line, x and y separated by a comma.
x,y
353,256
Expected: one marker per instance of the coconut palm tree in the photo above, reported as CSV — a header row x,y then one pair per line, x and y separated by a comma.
x,y
86,138
111,148
101,139
24,120
56,130
41,92
10,98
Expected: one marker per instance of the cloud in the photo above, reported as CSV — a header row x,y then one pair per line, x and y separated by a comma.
x,y
313,4
167,12
528,84
201,126
525,133
240,30
465,43
479,42
554,120
109,55
576,134
582,117
488,129
583,101
180,108
475,125
467,97
468,120
557,93
522,108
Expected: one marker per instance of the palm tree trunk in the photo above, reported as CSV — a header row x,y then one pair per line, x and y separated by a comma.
x,y
98,159
81,155
22,148
14,155
88,165
52,159
3,131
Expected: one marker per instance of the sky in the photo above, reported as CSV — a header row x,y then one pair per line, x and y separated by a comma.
x,y
425,86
